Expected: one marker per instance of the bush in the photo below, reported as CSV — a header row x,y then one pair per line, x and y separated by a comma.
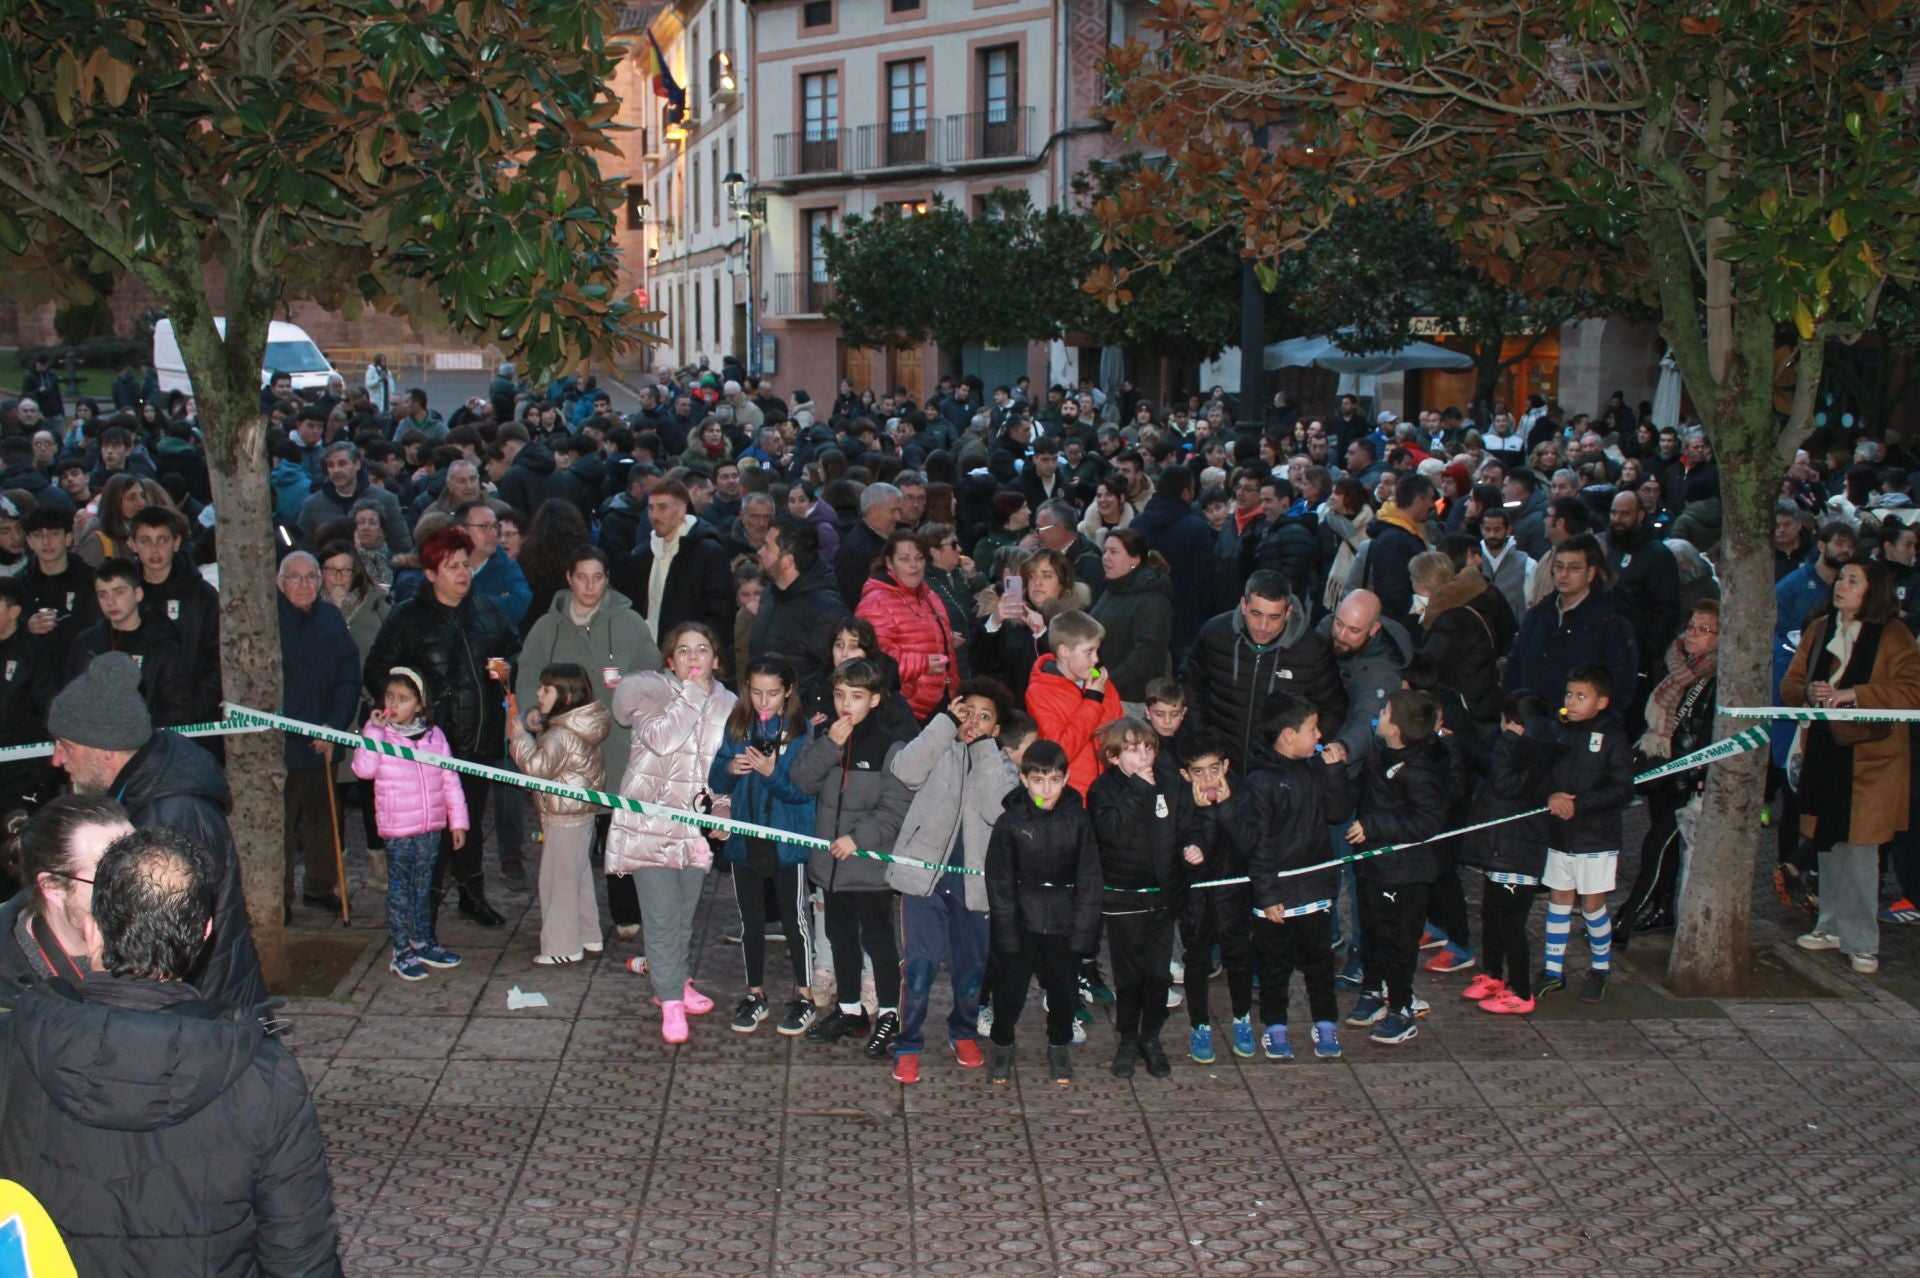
x,y
111,353
85,321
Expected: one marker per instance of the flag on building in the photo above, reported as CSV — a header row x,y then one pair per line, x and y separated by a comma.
x,y
664,85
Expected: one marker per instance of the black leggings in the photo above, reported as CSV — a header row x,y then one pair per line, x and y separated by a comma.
x,y
862,923
1391,918
788,888
1447,906
1140,945
1302,944
1228,923
1052,957
1652,894
1505,953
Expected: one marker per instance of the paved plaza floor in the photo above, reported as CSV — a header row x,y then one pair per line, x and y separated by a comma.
x,y
1646,1135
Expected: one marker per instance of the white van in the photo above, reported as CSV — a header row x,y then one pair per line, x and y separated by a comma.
x,y
289,351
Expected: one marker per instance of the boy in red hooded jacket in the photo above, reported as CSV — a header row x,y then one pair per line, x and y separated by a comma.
x,y
1067,694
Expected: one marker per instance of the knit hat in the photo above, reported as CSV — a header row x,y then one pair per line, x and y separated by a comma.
x,y
1459,474
103,708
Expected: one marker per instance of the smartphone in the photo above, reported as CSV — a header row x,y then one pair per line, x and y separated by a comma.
x,y
1012,587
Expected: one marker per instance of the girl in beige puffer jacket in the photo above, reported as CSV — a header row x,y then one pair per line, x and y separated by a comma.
x,y
573,729
679,718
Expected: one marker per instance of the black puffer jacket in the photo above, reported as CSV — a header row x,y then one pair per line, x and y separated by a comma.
x,y
797,621
534,479
169,1135
172,781
1230,680
1519,769
1137,611
699,584
1596,768
1404,799
193,606
858,797
450,648
1291,547
1137,825
1291,804
1043,873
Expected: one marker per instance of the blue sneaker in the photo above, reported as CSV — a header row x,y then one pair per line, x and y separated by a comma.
x,y
1432,938
1368,1010
1243,1036
1278,1048
1901,911
437,955
1326,1043
407,967
1200,1044
1451,958
1397,1027
1351,975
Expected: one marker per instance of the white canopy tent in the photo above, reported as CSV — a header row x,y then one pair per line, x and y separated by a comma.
x,y
1324,352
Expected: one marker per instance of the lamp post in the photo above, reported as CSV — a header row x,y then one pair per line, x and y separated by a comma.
x,y
751,209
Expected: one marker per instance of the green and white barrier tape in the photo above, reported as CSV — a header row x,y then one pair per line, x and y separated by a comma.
x,y
255,720
218,728
1799,714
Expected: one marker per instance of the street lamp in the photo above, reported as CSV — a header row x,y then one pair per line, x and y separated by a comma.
x,y
751,209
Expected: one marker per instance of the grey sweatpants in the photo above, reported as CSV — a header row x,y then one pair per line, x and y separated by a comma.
x,y
1850,896
668,901
569,911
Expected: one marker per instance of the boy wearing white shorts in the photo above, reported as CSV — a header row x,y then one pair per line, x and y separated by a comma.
x,y
1592,785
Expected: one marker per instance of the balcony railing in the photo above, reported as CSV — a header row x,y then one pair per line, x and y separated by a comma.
x,y
798,293
990,135
808,153
868,148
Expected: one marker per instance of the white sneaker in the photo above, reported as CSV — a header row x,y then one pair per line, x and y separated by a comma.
x,y
1420,1007
1179,971
1175,996
1865,964
1079,1031
1818,941
983,1024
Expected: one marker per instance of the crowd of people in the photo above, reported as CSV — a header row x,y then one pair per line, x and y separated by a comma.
x,y
1024,684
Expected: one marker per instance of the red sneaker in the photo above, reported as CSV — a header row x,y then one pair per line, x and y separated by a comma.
x,y
906,1067
1507,1003
1483,987
968,1053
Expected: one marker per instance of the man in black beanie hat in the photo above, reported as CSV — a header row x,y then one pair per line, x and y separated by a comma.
x,y
104,739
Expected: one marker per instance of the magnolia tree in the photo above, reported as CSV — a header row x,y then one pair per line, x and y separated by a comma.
x,y
437,161
1748,168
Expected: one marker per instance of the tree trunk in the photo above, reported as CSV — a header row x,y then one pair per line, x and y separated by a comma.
x,y
1710,950
235,433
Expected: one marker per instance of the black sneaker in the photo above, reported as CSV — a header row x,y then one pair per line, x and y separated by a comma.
x,y
1002,1072
1123,1058
1060,1065
748,1014
836,1025
1156,1058
886,1028
1594,988
1549,985
800,1014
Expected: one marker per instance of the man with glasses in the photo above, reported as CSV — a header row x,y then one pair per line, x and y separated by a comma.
x,y
320,672
1056,526
495,575
47,929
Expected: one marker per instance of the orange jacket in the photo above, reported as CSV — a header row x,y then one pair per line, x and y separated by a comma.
x,y
1069,714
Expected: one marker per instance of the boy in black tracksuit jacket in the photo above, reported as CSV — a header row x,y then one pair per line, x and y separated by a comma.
x,y
1403,799
1591,787
1043,902
1213,825
1512,854
1136,822
1292,797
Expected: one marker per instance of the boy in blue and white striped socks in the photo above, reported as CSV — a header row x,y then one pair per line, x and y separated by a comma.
x,y
1592,786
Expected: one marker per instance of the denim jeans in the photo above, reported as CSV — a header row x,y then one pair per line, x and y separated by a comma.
x,y
410,862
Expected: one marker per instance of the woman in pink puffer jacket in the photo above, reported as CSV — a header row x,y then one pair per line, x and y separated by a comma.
x,y
679,717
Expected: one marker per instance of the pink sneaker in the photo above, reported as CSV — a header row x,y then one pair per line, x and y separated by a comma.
x,y
673,1021
1483,987
698,1004
1507,1003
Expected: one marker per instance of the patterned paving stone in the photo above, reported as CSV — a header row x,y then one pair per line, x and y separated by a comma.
x,y
561,1242
386,1038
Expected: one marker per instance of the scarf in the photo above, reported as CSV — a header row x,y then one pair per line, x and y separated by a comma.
x,y
1663,706
664,551
416,727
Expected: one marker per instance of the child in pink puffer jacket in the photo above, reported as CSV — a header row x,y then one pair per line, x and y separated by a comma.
x,y
413,803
